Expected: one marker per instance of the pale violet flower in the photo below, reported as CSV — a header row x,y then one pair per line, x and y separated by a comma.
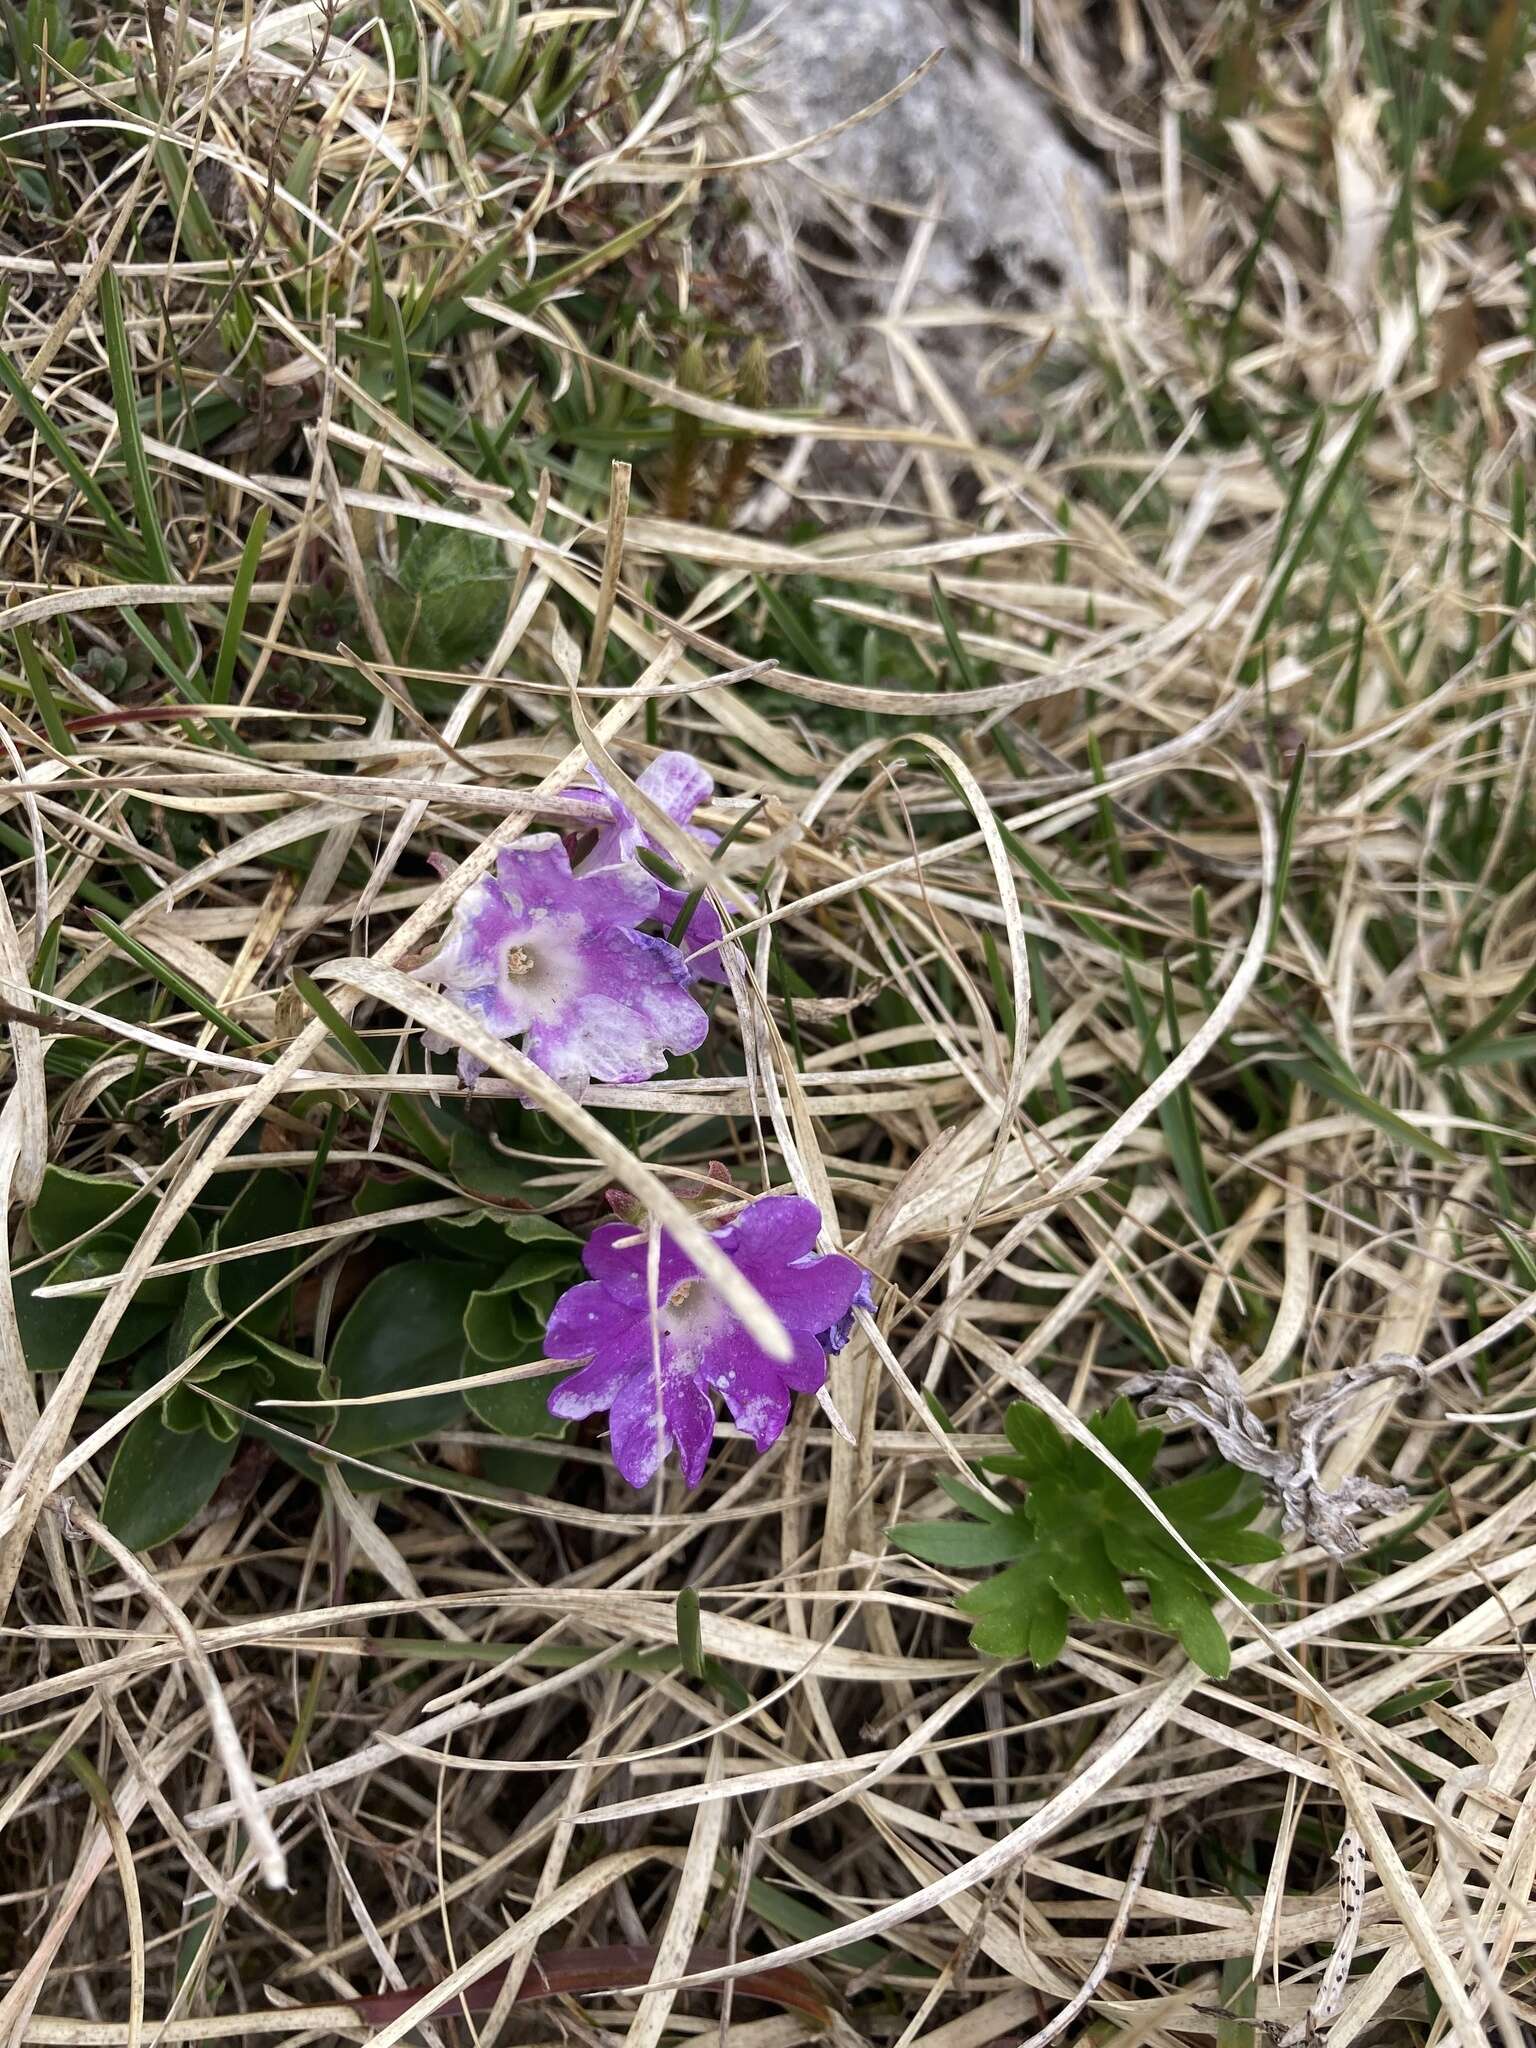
x,y
677,785
537,953
657,1361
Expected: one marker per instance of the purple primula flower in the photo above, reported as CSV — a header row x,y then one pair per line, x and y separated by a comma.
x,y
676,784
837,1337
656,1362
554,958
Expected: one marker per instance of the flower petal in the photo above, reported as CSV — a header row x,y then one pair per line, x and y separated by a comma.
x,y
636,1011
599,1385
690,1416
774,1230
735,1353
758,1401
480,930
836,1337
535,874
624,895
497,1006
617,1254
587,1318
619,837
638,1428
676,784
615,844
814,1293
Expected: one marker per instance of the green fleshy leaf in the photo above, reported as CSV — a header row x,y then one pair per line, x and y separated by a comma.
x,y
185,1411
110,1215
405,1330
520,1408
268,1205
519,1471
480,1169
160,1480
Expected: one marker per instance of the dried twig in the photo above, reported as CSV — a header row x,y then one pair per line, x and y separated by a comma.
x,y
1211,1396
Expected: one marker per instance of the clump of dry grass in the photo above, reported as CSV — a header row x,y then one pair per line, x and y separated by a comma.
x,y
1142,867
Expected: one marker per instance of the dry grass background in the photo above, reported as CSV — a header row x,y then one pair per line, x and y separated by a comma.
x,y
1146,913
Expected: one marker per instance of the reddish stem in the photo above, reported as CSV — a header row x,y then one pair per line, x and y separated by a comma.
x,y
136,714
564,1971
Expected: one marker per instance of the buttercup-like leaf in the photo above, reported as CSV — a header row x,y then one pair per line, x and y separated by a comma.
x,y
1081,1537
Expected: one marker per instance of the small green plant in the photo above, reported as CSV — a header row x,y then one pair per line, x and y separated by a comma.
x,y
446,603
1080,1533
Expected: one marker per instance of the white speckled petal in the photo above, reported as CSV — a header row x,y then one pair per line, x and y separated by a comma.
x,y
676,784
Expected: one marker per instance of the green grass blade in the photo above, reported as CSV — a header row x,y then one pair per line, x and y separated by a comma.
x,y
172,979
406,1113
1316,512
1290,815
1350,1095
695,897
30,407
1470,1042
690,1634
239,599
136,462
959,654
35,669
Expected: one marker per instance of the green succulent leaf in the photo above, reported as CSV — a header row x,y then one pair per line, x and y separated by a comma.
x,y
160,1479
502,1320
100,1221
268,1205
405,1330
520,1408
480,1169
70,1205
185,1411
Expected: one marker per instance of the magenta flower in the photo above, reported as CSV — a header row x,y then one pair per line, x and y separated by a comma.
x,y
657,1361
538,953
676,784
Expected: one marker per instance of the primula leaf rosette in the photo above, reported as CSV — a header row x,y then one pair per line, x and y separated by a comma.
x,y
659,1354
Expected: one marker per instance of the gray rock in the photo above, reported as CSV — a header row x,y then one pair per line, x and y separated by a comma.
x,y
1019,215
